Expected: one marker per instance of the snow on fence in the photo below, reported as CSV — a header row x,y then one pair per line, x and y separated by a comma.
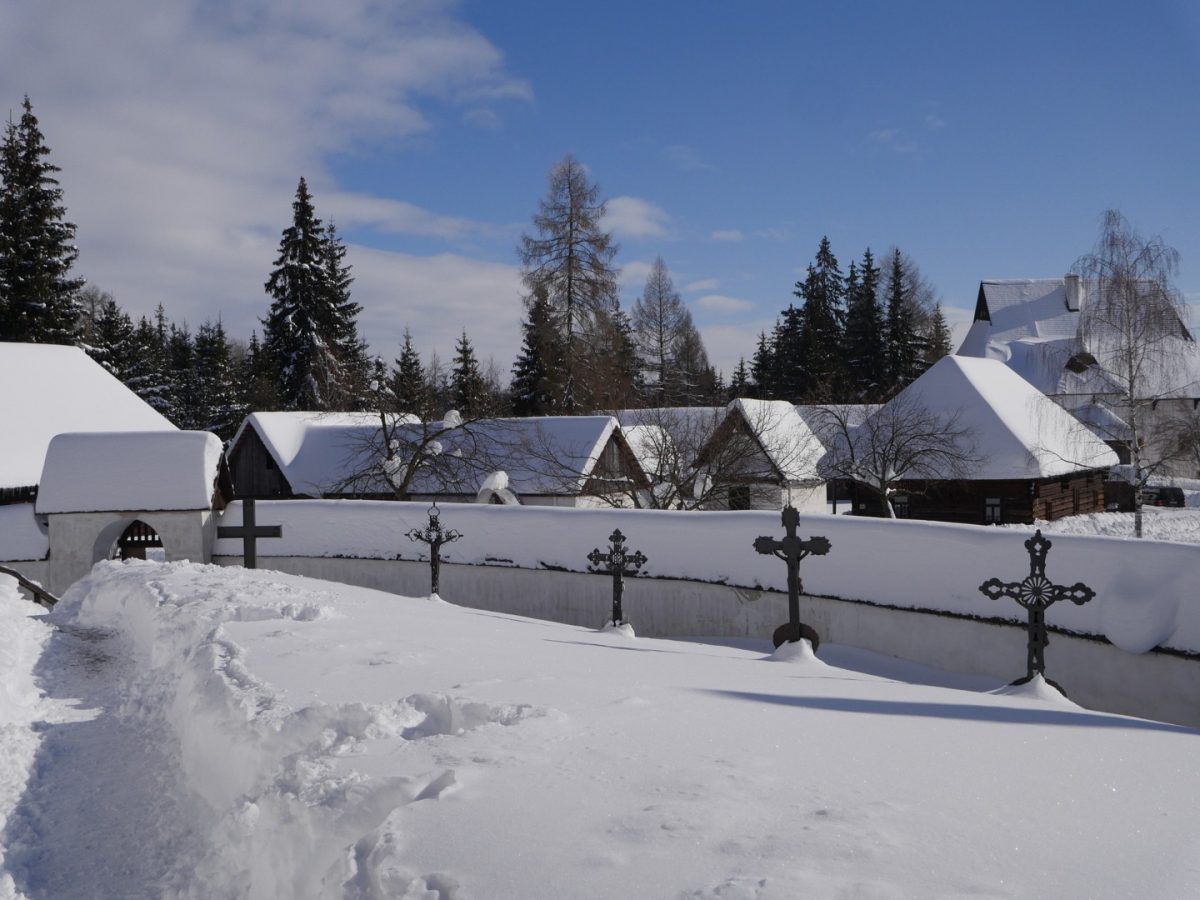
x,y
1145,590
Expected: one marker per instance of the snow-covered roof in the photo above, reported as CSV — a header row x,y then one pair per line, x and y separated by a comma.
x,y
1018,431
50,389
649,443
790,445
130,471
321,453
1027,308
316,451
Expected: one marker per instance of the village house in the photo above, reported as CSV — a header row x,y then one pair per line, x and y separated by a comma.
x,y
48,390
544,461
1030,459
1032,325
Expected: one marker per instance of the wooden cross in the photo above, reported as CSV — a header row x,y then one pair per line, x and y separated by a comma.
x,y
615,562
434,535
249,532
791,550
1035,593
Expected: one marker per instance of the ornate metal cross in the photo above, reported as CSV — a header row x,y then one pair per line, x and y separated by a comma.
x,y
249,532
1036,593
434,535
615,561
791,550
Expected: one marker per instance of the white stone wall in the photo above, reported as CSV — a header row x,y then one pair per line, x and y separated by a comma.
x,y
1097,675
80,540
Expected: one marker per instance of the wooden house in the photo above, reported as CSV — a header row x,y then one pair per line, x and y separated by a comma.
x,y
1034,459
547,460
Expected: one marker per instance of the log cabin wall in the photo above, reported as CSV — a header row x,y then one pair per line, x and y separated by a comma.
x,y
254,471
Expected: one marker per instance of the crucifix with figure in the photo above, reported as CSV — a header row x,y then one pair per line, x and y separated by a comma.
x,y
616,561
1035,593
791,550
249,531
434,535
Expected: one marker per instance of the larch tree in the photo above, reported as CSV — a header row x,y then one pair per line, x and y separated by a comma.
x,y
570,257
658,319
39,300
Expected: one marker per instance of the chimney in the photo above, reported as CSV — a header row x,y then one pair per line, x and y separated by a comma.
x,y
1074,290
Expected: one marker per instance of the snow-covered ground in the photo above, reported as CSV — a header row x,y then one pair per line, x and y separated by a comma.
x,y
208,732
1158,523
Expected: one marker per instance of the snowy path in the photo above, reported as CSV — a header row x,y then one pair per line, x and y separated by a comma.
x,y
101,816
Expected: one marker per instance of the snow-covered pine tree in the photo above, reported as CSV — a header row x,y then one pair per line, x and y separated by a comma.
x,y
218,407
533,388
471,395
257,392
39,300
112,341
823,291
147,374
762,366
182,377
739,384
354,365
866,362
298,341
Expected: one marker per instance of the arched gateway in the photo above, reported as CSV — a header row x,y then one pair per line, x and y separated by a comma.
x,y
114,495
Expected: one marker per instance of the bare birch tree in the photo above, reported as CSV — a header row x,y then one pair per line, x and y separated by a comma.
x,y
1132,324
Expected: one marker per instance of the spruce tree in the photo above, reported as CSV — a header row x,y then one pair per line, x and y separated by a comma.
x,y
471,394
410,391
903,344
256,389
865,356
534,390
39,300
218,407
790,375
739,384
762,367
112,342
183,378
823,291
147,374
937,341
299,340
352,365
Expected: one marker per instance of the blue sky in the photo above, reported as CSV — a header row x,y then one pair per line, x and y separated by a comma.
x,y
983,140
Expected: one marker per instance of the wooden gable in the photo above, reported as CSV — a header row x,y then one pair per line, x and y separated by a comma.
x,y
254,471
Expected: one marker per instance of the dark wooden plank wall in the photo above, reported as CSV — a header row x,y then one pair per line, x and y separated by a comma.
x,y
254,471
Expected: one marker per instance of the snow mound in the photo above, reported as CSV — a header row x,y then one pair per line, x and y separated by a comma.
x,y
622,628
800,651
1036,689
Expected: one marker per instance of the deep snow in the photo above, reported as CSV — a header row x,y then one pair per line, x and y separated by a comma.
x,y
249,734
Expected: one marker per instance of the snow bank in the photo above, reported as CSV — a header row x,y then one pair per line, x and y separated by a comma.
x,y
285,813
1145,590
21,705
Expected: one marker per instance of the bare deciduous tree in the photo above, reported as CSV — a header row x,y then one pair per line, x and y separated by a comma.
x,y
1132,324
900,443
658,317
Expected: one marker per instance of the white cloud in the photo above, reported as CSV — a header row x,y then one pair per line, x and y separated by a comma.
x,y
727,343
722,303
182,128
704,284
727,234
687,158
636,218
934,122
632,275
892,140
437,297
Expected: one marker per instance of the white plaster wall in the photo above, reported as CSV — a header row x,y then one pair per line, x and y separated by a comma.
x,y
1096,674
79,540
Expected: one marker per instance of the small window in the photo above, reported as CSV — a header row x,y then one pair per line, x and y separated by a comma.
x,y
739,496
993,513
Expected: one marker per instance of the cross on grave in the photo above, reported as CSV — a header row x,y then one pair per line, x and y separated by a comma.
x,y
615,562
434,535
791,550
1035,593
249,532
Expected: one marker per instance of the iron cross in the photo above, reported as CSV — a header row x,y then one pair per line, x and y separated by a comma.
x,y
615,562
1035,594
791,550
249,532
433,535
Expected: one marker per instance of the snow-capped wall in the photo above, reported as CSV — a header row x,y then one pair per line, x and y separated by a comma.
x,y
1145,590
